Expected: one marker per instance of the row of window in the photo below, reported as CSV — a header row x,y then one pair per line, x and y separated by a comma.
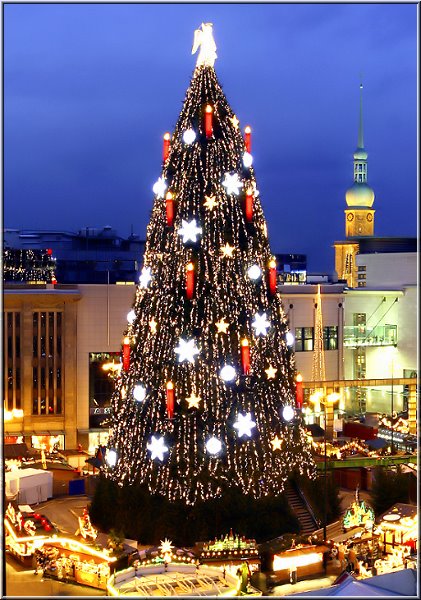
x,y
47,385
46,362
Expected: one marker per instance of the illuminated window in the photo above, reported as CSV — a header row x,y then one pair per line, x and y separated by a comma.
x,y
304,339
102,373
46,363
330,338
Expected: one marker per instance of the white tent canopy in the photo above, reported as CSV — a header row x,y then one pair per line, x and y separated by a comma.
x,y
29,486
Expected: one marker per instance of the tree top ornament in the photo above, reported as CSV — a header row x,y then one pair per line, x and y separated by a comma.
x,y
204,38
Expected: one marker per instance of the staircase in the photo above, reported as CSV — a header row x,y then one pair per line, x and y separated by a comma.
x,y
306,520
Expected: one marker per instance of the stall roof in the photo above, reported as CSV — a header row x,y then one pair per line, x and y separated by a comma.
x,y
404,510
396,583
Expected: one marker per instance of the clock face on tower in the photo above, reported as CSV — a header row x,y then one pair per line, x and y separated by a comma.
x,y
369,217
350,217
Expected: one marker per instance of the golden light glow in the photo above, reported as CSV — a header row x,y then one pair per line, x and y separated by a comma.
x,y
247,129
208,108
166,546
244,342
333,397
227,250
193,400
210,202
167,136
276,443
222,326
126,341
169,196
190,267
299,378
170,385
153,325
272,264
271,372
296,560
235,122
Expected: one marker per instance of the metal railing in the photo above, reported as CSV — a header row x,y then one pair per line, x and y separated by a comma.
x,y
363,335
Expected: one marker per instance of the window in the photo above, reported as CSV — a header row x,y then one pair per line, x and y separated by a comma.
x,y
361,267
46,363
11,358
103,369
304,339
330,338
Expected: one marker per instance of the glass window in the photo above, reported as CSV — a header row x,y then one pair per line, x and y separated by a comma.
x,y
103,369
304,339
330,338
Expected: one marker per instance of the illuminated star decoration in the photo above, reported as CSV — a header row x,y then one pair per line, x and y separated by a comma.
x,y
157,448
193,401
152,325
189,230
159,187
166,546
276,443
210,202
145,277
255,190
234,121
244,424
260,324
227,250
186,350
270,372
232,183
222,326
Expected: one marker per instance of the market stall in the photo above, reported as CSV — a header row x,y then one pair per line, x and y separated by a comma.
x,y
299,562
399,527
73,561
229,553
25,531
29,486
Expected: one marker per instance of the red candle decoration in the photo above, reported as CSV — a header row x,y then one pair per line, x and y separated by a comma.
x,y
247,138
166,146
249,205
299,392
245,356
272,277
170,399
170,208
190,280
208,120
126,353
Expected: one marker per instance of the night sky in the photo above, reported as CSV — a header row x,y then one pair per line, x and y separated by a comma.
x,y
89,90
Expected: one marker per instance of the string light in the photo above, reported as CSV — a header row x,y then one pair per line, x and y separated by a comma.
x,y
220,314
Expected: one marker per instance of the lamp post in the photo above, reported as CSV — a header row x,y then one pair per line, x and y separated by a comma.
x,y
393,351
328,402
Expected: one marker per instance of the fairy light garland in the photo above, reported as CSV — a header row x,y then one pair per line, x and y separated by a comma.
x,y
209,179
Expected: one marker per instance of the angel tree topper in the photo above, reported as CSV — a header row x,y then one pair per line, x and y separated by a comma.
x,y
204,38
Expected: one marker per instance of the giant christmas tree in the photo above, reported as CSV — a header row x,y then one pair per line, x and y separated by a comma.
x,y
206,396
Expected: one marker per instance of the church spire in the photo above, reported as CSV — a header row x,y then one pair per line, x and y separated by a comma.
x,y
361,129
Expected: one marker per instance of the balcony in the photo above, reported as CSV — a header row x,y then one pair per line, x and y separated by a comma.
x,y
364,335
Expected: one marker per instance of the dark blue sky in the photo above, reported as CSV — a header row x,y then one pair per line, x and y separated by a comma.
x,y
89,90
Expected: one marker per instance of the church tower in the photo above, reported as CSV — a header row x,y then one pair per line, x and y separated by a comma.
x,y
359,214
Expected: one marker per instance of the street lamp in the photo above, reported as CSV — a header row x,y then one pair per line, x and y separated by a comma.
x,y
392,355
328,402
